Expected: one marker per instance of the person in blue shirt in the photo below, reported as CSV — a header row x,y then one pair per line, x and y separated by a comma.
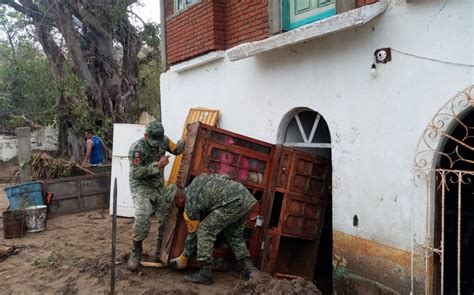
x,y
95,149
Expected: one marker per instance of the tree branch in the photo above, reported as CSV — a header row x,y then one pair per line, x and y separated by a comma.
x,y
91,20
30,9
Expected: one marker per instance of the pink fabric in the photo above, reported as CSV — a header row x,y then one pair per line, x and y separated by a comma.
x,y
223,168
226,158
243,171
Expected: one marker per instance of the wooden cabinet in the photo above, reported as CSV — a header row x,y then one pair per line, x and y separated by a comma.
x,y
289,185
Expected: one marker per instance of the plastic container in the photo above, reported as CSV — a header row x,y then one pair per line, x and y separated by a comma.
x,y
35,218
13,224
24,195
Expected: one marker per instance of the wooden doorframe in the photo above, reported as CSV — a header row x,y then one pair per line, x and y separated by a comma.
x,y
328,224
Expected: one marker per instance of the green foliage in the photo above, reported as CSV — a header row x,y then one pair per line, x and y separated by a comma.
x,y
54,259
339,267
28,93
149,73
149,87
31,87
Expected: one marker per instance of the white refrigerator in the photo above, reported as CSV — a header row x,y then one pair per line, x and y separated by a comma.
x,y
124,136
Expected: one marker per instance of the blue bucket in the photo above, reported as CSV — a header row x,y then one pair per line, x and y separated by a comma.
x,y
24,195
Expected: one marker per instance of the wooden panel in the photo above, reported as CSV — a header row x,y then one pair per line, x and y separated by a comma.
x,y
175,231
304,185
301,173
188,155
284,168
206,116
80,193
296,258
208,149
305,204
270,253
298,182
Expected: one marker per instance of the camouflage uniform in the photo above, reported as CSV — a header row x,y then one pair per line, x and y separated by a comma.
x,y
147,182
226,204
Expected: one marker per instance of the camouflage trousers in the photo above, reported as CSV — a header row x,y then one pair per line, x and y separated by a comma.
x,y
228,220
147,201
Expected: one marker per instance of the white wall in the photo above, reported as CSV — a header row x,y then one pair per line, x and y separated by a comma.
x,y
43,139
375,124
8,147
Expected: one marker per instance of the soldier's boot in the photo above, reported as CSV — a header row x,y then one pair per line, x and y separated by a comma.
x,y
247,268
134,259
203,276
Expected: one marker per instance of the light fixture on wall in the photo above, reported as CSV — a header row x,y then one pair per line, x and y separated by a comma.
x,y
373,71
382,55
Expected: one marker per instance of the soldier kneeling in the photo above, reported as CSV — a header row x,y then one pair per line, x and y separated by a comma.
x,y
225,203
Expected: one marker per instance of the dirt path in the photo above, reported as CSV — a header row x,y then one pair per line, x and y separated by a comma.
x,y
73,256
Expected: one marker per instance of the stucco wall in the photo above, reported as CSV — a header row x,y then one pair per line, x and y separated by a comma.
x,y
375,123
8,147
43,139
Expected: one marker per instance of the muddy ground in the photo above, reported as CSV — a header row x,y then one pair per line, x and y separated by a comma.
x,y
73,257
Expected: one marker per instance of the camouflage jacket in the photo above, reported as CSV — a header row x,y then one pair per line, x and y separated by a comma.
x,y
208,192
142,156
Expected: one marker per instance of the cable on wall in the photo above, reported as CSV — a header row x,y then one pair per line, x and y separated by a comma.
x,y
432,59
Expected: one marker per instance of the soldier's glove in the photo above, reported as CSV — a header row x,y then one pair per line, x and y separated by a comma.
x,y
192,225
180,262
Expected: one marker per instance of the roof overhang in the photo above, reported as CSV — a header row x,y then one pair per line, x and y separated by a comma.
x,y
198,61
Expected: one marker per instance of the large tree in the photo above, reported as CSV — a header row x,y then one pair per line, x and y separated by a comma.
x,y
93,50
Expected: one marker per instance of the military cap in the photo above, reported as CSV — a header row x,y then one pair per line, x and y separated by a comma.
x,y
155,132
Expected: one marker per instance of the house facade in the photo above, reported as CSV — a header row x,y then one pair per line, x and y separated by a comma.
x,y
381,88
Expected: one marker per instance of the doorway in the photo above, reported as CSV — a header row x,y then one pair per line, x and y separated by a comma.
x,y
454,215
306,130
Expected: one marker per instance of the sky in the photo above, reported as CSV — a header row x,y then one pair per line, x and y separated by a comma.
x,y
148,10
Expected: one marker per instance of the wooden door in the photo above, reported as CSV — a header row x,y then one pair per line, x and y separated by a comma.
x,y
294,212
302,217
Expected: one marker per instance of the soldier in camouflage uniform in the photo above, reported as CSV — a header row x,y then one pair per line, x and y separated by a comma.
x,y
225,205
147,161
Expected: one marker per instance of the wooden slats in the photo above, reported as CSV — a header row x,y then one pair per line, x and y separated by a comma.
x,y
206,116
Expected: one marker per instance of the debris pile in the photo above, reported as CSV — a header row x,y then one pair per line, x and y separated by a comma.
x,y
43,166
263,283
8,251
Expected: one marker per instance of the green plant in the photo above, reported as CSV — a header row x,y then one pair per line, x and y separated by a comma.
x,y
340,267
53,259
25,203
